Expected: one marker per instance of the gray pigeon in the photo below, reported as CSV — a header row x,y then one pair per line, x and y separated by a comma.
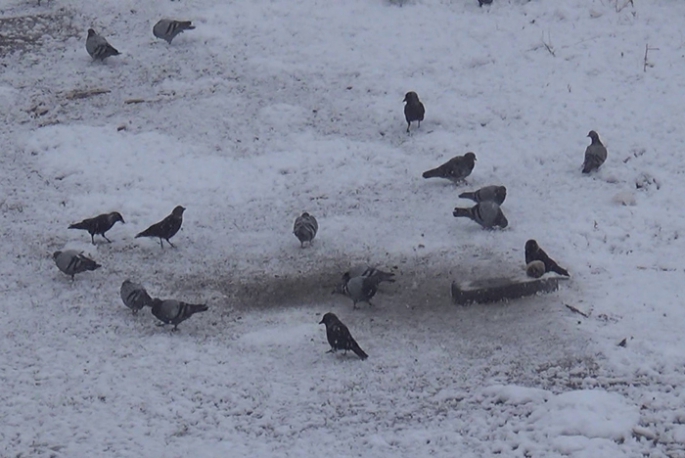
x,y
174,312
360,289
305,228
98,47
72,262
414,109
488,214
455,170
595,153
167,29
135,296
366,271
493,193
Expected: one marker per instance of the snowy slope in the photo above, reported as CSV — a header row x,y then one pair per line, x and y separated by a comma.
x,y
268,109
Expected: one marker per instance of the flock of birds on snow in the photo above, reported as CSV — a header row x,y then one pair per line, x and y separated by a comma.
x,y
361,282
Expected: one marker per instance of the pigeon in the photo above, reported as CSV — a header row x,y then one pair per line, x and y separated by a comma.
x,y
493,193
305,228
484,2
135,296
535,269
360,289
174,312
595,153
535,253
488,214
455,170
98,47
166,228
414,109
167,29
72,262
339,336
363,270
99,225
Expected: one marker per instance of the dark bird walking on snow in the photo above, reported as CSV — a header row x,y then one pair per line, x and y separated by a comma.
x,y
535,253
99,225
135,296
98,47
488,214
167,29
455,170
339,336
72,262
414,109
305,228
595,153
174,312
166,228
493,193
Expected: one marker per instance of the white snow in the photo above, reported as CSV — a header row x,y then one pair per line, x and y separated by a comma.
x,y
268,109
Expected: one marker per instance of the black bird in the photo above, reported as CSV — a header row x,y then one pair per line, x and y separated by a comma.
x,y
488,214
98,47
72,262
484,2
135,296
339,336
493,193
166,228
305,228
174,312
414,109
535,253
455,170
99,225
595,153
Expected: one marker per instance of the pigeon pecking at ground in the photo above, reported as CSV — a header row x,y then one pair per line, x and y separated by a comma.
x,y
595,153
359,289
167,29
493,193
135,296
98,47
72,262
305,228
166,228
170,311
535,253
488,214
339,336
414,109
455,170
99,225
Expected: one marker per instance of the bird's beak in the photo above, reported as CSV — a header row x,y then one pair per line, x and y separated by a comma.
x,y
122,221
321,322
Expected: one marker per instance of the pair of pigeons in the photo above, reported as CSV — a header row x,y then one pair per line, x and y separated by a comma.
x,y
360,283
164,230
166,29
168,311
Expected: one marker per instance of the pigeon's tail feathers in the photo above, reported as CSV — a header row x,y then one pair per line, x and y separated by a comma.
x,y
468,195
433,173
591,163
384,276
88,264
185,25
191,309
358,351
462,212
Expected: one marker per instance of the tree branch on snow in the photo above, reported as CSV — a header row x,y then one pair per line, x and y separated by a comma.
x,y
77,94
647,63
548,44
620,7
576,310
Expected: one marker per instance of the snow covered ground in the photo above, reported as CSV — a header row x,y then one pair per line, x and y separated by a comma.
x,y
269,109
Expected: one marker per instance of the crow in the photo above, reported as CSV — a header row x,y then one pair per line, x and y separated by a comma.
x,y
166,228
339,336
535,253
99,225
414,109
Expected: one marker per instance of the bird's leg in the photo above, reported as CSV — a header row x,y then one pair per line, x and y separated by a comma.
x,y
331,351
175,328
160,243
108,240
160,324
170,244
370,304
301,244
408,124
92,238
419,124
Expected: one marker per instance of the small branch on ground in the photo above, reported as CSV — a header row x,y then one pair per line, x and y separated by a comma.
x,y
76,94
130,101
620,8
646,61
575,310
548,44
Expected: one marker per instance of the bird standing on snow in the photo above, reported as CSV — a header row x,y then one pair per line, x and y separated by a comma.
x,y
493,193
363,270
360,289
99,225
98,47
134,296
166,228
595,153
455,170
414,109
535,253
72,262
488,214
174,312
339,336
484,2
167,29
305,228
